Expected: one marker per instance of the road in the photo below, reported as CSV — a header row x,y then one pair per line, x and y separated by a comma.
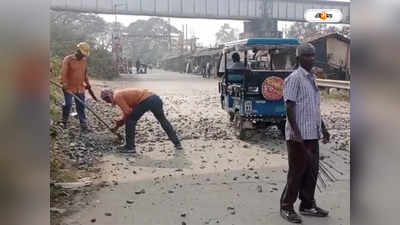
x,y
217,180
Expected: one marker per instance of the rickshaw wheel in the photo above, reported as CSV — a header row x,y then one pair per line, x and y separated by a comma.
x,y
240,132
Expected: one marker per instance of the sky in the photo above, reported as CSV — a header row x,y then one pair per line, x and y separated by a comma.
x,y
204,29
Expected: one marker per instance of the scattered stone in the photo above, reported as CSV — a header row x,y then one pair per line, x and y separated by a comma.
x,y
140,192
57,210
73,185
259,188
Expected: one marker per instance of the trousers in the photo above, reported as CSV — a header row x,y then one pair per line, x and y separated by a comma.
x,y
155,105
302,175
80,108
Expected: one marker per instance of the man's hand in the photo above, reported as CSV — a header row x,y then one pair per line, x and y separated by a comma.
x,y
91,93
118,122
63,87
325,133
326,137
114,129
297,137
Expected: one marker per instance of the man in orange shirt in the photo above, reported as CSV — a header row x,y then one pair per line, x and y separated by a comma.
x,y
134,103
74,79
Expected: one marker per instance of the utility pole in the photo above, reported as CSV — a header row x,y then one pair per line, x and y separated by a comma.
x,y
116,40
182,39
186,32
169,34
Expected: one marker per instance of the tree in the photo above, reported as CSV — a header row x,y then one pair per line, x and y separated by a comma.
x,y
67,29
147,40
226,34
304,31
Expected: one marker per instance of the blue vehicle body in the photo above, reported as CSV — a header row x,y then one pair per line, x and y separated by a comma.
x,y
242,90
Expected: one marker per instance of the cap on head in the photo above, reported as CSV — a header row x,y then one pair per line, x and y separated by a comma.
x,y
305,49
83,48
106,94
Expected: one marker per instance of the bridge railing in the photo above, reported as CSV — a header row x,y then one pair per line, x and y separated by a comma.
x,y
340,84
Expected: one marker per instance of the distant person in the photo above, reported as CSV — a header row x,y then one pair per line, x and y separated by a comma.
x,y
236,62
208,69
137,65
303,128
203,68
74,79
134,103
187,67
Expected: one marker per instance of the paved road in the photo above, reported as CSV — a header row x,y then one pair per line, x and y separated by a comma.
x,y
217,180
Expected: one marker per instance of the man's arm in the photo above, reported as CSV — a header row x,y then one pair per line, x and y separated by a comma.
x,y
87,79
325,133
88,87
63,73
126,111
291,115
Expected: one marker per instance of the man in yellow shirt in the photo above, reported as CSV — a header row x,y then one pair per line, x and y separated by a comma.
x,y
134,103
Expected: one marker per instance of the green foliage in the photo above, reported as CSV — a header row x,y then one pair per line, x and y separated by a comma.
x,y
55,92
68,29
303,31
226,34
100,64
147,40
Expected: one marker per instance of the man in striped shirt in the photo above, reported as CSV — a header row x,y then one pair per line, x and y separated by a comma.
x,y
303,128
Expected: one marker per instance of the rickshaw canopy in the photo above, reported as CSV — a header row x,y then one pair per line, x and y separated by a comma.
x,y
260,44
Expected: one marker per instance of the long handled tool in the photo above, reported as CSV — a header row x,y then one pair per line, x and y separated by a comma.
x,y
91,110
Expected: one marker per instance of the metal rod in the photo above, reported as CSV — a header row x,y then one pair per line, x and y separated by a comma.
x,y
319,189
323,169
332,167
328,172
321,180
91,110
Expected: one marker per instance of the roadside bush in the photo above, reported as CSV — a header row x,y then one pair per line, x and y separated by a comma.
x,y
100,64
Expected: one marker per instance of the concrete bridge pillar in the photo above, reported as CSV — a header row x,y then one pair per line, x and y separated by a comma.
x,y
264,27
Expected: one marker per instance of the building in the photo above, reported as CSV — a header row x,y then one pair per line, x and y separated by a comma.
x,y
333,55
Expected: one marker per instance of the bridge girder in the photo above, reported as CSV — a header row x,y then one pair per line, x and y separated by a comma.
x,y
285,10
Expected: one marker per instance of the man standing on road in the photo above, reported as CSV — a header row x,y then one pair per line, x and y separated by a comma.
x,y
74,79
134,103
303,128
137,65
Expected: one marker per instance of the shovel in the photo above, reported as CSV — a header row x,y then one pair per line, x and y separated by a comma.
x,y
91,110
